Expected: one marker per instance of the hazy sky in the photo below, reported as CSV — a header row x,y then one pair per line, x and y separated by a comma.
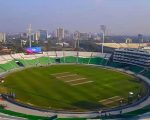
x,y
120,16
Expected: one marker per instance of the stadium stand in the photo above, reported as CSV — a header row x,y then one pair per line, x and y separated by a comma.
x,y
2,69
135,69
13,61
9,65
8,62
68,59
83,60
147,73
43,60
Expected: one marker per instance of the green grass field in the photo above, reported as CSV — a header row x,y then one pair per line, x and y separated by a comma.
x,y
71,87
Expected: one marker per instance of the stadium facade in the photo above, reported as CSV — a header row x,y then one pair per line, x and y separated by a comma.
x,y
137,57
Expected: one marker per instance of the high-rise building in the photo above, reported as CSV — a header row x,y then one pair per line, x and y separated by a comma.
x,y
24,35
2,37
66,34
37,36
76,35
60,33
84,36
41,35
80,36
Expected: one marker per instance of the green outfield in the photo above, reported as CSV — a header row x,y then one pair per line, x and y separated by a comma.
x,y
71,87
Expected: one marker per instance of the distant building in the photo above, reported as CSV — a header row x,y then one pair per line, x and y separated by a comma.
x,y
33,37
80,36
41,35
24,35
2,37
60,34
96,36
76,35
67,34
128,40
36,36
84,36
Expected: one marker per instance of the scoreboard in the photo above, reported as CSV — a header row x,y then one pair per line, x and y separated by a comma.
x,y
33,50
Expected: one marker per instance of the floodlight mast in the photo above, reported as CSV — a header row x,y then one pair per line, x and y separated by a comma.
x,y
29,34
103,29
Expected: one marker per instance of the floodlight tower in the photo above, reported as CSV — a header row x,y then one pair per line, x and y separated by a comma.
x,y
29,34
103,29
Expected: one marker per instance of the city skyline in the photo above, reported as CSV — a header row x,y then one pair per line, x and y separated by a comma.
x,y
120,16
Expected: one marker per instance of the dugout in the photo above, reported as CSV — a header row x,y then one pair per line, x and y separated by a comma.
x,y
57,60
19,63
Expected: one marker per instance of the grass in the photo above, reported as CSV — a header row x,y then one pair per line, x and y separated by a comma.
x,y
36,86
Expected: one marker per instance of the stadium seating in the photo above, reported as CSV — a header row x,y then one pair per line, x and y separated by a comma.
x,y
27,63
43,60
115,64
9,65
2,69
96,61
147,73
50,57
8,62
135,69
83,60
68,59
